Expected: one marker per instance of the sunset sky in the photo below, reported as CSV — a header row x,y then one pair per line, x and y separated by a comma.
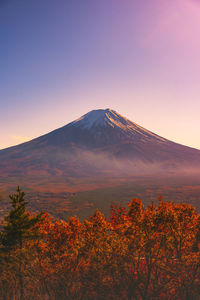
x,y
61,59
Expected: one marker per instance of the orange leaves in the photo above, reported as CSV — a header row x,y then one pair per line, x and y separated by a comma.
x,y
139,253
135,209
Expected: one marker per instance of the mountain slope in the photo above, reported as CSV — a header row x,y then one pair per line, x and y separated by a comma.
x,y
101,141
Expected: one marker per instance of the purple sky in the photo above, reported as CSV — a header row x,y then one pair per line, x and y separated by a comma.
x,y
61,59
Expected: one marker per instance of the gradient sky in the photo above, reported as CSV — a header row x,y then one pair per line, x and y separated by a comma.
x,y
60,59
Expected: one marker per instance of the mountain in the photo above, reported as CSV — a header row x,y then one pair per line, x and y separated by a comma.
x,y
96,160
100,142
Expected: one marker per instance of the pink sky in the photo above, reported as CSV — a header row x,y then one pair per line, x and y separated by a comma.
x,y
140,58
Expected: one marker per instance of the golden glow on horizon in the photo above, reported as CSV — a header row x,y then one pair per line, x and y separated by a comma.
x,y
143,62
20,139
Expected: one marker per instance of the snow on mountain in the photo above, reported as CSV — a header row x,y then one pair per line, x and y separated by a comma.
x,y
94,118
99,140
101,118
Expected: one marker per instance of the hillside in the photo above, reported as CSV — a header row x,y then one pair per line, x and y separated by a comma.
x,y
100,141
100,151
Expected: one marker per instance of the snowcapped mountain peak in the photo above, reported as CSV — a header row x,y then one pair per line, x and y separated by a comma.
x,y
112,126
100,117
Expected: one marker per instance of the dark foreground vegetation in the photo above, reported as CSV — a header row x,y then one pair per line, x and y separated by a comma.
x,y
137,253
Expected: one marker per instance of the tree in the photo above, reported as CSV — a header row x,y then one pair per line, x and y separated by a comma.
x,y
18,228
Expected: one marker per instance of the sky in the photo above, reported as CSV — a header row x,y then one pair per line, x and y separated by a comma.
x,y
60,59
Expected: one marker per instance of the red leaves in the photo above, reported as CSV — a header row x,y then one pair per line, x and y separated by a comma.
x,y
138,253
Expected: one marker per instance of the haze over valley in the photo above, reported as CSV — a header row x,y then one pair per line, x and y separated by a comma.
x,y
101,151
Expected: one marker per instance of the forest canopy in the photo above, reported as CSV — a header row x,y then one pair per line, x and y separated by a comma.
x,y
136,253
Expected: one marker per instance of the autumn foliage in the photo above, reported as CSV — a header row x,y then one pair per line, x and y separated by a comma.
x,y
138,253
